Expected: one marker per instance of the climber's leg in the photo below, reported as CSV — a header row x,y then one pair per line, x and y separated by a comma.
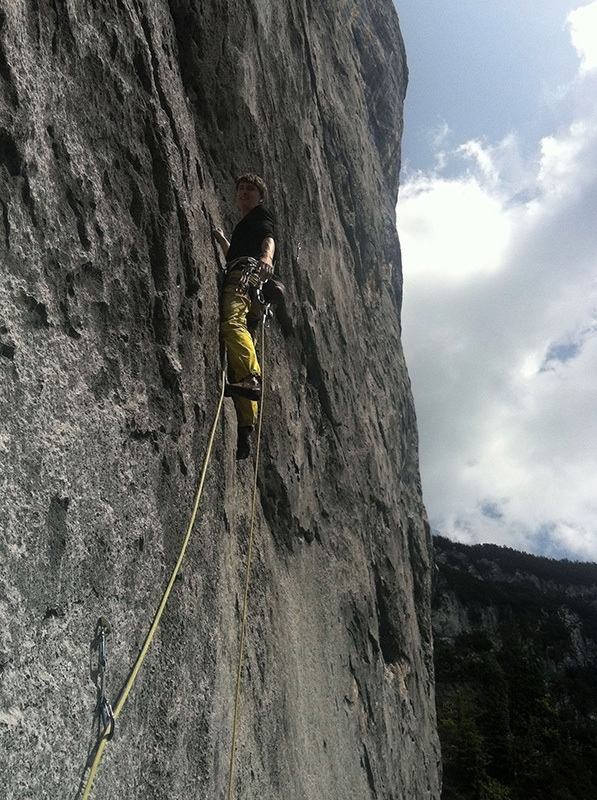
x,y
240,346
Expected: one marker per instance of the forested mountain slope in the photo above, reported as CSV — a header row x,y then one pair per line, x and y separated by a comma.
x,y
516,668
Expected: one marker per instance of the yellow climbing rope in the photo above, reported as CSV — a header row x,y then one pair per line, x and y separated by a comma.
x,y
248,571
129,684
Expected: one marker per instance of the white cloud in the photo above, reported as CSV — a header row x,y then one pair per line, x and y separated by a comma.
x,y
500,329
478,233
583,31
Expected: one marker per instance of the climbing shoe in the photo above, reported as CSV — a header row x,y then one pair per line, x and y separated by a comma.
x,y
249,387
243,444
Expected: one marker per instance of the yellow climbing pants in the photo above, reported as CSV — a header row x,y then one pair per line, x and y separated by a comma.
x,y
240,343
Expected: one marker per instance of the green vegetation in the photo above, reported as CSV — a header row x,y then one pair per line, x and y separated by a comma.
x,y
517,716
562,571
507,731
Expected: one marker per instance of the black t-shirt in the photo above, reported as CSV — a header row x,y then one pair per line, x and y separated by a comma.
x,y
249,234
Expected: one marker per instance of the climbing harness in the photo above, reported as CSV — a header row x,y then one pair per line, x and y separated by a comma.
x,y
107,735
268,293
104,707
250,282
248,570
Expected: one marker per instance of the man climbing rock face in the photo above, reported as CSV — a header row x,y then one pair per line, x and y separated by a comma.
x,y
253,237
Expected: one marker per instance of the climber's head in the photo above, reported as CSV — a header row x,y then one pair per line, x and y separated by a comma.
x,y
250,192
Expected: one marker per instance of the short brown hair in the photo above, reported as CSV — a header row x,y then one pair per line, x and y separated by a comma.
x,y
250,177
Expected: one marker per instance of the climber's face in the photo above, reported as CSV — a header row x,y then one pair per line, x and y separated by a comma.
x,y
247,197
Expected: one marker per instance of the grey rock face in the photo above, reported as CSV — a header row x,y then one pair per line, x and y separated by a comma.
x,y
122,125
490,590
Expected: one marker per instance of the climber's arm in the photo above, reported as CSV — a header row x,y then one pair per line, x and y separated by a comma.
x,y
218,235
268,248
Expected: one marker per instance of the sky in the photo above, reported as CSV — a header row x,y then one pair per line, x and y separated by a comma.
x,y
497,218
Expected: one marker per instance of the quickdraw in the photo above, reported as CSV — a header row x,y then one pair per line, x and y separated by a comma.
x,y
104,707
105,625
268,293
250,279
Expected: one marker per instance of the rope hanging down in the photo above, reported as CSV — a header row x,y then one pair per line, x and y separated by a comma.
x,y
107,734
248,571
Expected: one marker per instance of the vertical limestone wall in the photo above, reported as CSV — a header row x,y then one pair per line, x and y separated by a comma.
x,y
122,125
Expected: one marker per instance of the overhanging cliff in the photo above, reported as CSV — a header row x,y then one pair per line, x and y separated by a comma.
x,y
122,124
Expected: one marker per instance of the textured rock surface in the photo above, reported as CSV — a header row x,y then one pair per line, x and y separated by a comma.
x,y
485,589
121,126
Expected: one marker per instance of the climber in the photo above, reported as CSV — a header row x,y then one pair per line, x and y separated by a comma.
x,y
253,237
